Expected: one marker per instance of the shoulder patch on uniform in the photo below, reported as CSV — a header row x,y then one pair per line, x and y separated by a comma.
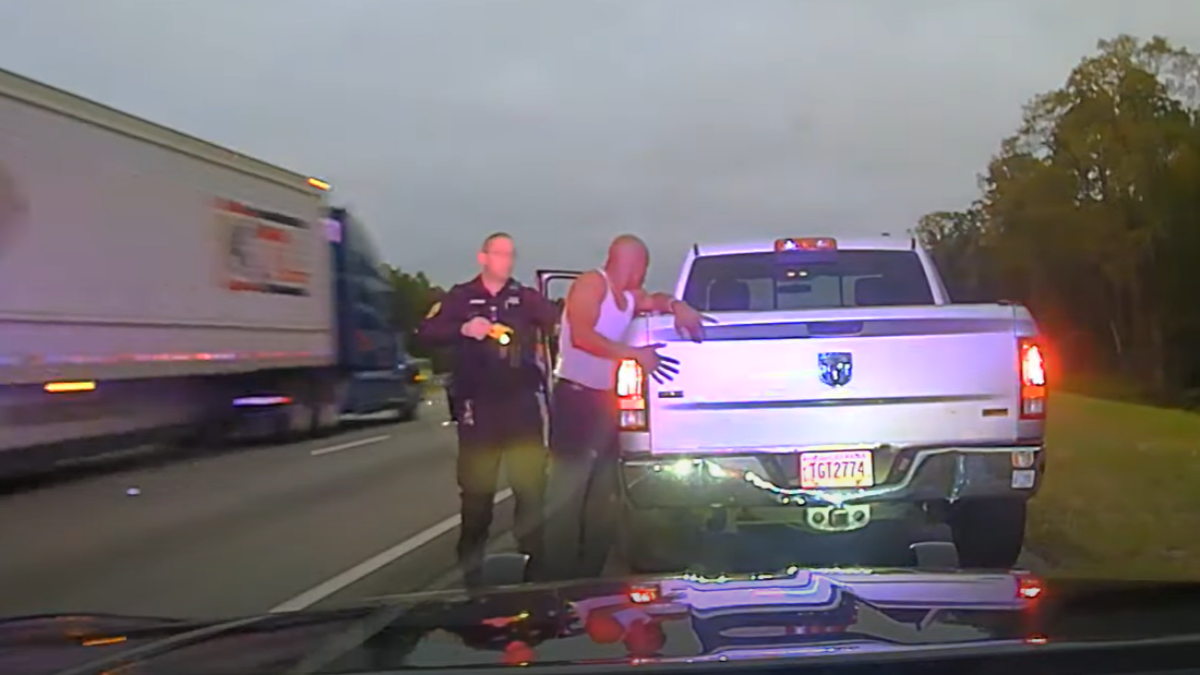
x,y
433,311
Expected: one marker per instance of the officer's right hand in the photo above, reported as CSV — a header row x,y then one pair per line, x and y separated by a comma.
x,y
500,333
477,328
661,368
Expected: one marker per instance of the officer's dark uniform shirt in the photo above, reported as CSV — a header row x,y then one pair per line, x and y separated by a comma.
x,y
485,368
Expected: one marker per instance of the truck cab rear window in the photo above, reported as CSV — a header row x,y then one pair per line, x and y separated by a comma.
x,y
761,282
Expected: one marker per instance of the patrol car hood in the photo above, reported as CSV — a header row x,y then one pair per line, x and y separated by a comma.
x,y
802,614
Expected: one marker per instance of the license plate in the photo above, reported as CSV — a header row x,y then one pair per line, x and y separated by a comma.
x,y
841,469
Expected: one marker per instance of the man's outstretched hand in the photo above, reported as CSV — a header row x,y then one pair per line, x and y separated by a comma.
x,y
689,323
661,368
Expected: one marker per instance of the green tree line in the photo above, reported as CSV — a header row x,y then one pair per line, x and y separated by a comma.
x,y
1089,214
413,296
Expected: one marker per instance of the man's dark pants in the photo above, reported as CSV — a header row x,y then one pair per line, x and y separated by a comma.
x,y
581,493
490,430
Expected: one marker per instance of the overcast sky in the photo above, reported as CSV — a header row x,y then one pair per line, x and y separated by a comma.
x,y
568,121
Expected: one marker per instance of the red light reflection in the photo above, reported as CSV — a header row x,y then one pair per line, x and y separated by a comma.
x,y
1030,587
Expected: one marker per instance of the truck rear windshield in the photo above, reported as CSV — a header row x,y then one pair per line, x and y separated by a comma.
x,y
760,282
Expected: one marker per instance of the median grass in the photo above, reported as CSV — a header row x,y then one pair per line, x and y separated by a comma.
x,y
1121,496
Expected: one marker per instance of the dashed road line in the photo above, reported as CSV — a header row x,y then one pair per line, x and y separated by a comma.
x,y
347,446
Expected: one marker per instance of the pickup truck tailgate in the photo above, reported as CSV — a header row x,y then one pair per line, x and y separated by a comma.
x,y
782,381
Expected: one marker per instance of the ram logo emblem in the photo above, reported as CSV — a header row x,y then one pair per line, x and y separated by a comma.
x,y
836,368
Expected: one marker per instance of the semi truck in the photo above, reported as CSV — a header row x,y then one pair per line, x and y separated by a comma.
x,y
378,371
156,288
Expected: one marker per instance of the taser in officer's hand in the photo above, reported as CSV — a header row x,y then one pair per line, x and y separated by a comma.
x,y
501,333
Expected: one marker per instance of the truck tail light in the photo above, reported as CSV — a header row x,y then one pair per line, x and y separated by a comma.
x,y
631,396
1032,368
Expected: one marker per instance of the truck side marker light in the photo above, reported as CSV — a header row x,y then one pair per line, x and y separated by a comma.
x,y
67,387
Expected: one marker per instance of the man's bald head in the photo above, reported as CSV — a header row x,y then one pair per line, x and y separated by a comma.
x,y
626,244
628,259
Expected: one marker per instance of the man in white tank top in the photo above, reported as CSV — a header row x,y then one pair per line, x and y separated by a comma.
x,y
583,422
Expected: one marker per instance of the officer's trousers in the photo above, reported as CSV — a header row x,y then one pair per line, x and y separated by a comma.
x,y
491,430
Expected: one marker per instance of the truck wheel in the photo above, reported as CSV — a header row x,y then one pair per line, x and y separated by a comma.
x,y
989,533
659,541
407,413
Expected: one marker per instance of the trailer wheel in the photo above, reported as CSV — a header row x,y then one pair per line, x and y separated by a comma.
x,y
989,533
305,420
326,417
295,422
328,408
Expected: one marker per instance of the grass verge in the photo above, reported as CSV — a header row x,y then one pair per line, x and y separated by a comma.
x,y
1122,492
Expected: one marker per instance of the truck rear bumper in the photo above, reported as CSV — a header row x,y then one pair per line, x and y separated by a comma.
x,y
904,475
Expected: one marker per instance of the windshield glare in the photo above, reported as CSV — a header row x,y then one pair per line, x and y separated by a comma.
x,y
306,308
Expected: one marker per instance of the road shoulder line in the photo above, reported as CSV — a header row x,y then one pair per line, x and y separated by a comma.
x,y
374,563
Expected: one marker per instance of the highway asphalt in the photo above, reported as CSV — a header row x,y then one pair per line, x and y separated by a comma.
x,y
239,532
369,512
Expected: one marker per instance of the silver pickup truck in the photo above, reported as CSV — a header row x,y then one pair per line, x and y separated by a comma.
x,y
839,386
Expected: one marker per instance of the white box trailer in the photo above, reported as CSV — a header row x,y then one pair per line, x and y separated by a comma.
x,y
146,276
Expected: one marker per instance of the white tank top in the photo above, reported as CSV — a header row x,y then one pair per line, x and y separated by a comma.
x,y
587,369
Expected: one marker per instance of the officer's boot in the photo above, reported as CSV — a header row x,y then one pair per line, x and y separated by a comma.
x,y
472,537
470,560
531,545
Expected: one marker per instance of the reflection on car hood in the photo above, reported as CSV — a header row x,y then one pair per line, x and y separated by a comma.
x,y
797,614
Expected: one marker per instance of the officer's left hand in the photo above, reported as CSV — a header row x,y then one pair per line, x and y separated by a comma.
x,y
690,323
477,328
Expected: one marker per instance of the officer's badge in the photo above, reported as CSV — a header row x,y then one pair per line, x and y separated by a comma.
x,y
433,311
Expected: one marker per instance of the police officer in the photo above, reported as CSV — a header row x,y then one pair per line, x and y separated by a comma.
x,y
492,322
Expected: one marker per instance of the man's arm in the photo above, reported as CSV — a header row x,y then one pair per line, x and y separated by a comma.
x,y
663,303
583,310
688,322
442,326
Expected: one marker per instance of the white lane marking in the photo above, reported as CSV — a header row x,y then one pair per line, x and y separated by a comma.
x,y
346,446
374,563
